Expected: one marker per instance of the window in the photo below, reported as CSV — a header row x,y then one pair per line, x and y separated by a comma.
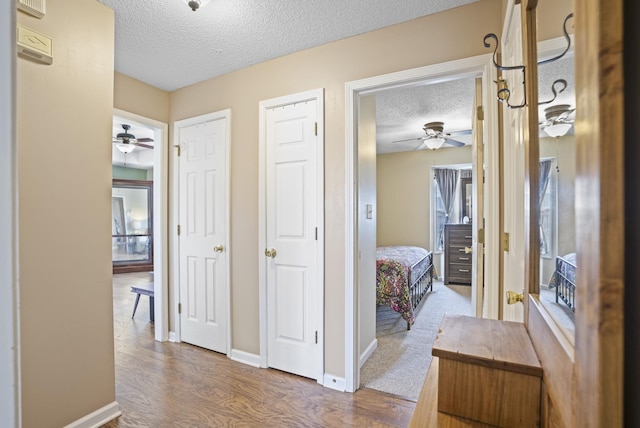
x,y
439,218
548,217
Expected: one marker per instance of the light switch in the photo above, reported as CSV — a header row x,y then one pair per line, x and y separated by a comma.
x,y
369,211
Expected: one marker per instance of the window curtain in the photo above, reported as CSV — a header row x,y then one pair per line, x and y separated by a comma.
x,y
545,170
447,180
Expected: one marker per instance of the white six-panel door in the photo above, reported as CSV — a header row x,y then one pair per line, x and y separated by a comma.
x,y
203,259
513,174
293,229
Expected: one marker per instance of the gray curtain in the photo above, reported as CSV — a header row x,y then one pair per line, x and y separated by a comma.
x,y
545,169
447,180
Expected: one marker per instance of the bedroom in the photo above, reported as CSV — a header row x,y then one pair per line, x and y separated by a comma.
x,y
406,188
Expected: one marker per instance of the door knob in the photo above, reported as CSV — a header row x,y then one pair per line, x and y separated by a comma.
x,y
468,250
270,253
218,248
513,297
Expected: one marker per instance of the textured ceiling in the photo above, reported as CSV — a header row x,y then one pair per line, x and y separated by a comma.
x,y
167,45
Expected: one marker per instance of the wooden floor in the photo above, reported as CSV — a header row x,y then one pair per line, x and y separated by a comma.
x,y
164,384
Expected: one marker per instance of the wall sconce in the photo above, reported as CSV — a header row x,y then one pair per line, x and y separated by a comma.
x,y
503,92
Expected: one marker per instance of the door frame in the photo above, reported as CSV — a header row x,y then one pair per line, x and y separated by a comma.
x,y
318,95
175,219
10,409
160,220
472,66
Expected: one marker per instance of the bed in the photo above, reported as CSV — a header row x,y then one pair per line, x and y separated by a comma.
x,y
564,280
403,275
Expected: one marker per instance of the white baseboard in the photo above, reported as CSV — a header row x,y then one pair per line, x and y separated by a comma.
x,y
367,352
98,418
335,382
245,358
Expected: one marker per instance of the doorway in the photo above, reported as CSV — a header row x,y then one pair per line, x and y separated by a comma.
x,y
149,163
471,67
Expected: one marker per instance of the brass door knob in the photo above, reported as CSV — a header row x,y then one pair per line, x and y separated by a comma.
x,y
218,248
270,253
468,250
513,297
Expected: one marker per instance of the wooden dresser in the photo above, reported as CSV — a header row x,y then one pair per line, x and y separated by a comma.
x,y
457,253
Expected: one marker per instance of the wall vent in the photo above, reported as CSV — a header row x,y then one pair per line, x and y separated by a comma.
x,y
32,7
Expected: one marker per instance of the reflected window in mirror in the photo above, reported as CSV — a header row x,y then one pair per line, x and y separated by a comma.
x,y
557,207
132,226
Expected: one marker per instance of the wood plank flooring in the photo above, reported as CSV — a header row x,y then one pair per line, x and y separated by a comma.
x,y
164,384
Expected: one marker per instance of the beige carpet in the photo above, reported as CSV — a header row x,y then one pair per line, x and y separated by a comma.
x,y
399,364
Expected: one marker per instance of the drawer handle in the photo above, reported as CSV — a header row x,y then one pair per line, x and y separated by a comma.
x,y
468,236
461,250
463,270
463,258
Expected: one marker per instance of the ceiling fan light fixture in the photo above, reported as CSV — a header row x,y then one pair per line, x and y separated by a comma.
x,y
558,129
125,148
434,143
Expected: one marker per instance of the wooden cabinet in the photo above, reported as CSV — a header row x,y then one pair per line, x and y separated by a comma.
x,y
457,254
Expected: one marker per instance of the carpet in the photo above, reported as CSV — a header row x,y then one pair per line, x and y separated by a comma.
x,y
399,364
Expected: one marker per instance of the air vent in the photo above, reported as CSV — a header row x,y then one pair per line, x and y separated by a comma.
x,y
32,7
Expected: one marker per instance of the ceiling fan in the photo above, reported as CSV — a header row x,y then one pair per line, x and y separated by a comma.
x,y
436,137
557,120
126,142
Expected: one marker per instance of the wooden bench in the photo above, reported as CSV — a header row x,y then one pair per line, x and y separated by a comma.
x,y
484,373
147,290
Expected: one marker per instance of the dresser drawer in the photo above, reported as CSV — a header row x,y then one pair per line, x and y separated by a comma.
x,y
460,257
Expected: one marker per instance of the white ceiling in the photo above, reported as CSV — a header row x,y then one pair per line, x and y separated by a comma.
x,y
167,45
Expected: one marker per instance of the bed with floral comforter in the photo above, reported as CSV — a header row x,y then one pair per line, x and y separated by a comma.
x,y
403,276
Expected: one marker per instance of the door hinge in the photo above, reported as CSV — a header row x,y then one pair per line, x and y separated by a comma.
x,y
480,113
505,241
179,308
316,129
178,230
316,233
177,146
316,336
480,236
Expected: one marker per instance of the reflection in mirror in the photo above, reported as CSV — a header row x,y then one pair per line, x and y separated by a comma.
x,y
132,226
557,184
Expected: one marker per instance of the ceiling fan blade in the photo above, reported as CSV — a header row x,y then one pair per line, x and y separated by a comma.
x,y
421,145
146,146
454,143
144,140
409,139
462,132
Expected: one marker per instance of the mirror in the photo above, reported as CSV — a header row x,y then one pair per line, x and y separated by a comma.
x,y
466,195
557,188
132,226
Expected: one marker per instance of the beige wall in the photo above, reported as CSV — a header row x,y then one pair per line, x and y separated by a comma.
x,y
64,116
404,184
367,226
400,47
134,96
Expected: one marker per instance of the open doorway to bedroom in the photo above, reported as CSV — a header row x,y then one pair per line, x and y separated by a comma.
x,y
423,160
404,131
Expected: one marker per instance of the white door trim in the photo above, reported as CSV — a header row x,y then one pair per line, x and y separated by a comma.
x,y
318,95
160,220
10,412
175,200
472,66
